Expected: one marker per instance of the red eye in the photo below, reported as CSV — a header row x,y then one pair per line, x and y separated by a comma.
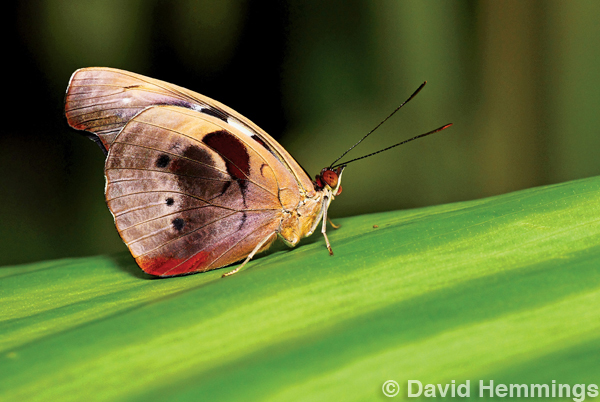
x,y
339,190
330,177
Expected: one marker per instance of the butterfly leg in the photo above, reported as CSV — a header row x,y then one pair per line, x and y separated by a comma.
x,y
324,229
258,247
333,225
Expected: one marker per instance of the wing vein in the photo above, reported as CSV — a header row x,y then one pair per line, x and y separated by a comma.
x,y
192,196
187,234
235,245
164,216
222,254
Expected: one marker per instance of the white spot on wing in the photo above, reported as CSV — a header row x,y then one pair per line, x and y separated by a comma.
x,y
126,101
240,126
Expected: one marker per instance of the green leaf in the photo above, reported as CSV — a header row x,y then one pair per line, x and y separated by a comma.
x,y
503,289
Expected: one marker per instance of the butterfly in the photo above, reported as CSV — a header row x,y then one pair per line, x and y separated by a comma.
x,y
192,184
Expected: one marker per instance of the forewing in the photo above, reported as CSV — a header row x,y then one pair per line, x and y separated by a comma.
x,y
188,194
102,100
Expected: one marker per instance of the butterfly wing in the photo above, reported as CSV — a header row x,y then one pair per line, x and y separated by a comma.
x,y
191,193
103,100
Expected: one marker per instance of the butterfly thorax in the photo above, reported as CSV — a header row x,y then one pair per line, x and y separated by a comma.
x,y
304,219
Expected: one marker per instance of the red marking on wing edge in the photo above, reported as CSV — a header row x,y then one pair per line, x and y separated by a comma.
x,y
165,266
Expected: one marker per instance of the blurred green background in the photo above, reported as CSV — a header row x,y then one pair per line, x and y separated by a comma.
x,y
519,80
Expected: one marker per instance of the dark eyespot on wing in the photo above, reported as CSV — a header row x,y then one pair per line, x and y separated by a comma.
x,y
170,201
163,161
178,224
195,161
198,154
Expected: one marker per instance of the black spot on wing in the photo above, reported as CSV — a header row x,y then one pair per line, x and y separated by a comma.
x,y
178,224
170,201
163,161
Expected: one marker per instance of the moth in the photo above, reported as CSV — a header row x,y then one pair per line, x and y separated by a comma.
x,y
192,184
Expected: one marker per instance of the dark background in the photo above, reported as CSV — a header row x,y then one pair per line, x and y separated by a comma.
x,y
519,80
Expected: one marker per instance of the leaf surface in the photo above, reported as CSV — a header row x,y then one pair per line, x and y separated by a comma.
x,y
504,288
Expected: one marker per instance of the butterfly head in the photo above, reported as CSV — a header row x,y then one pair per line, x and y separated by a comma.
x,y
330,179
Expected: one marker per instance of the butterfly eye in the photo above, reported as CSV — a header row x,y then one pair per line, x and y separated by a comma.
x,y
330,177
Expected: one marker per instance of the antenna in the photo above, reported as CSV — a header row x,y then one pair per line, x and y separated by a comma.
x,y
393,146
376,127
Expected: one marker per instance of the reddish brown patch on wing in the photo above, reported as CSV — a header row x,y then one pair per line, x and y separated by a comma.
x,y
232,150
165,266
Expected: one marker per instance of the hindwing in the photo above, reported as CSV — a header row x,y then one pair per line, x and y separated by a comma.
x,y
190,193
